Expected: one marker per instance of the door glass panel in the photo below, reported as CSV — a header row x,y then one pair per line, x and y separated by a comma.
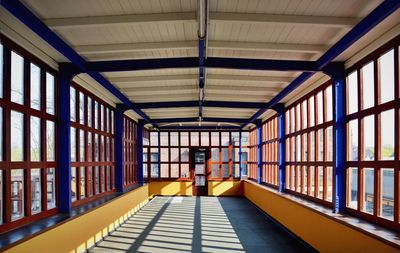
x,y
199,157
200,169
200,181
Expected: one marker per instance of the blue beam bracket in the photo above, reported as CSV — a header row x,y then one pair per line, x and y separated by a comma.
x,y
259,151
336,72
65,75
280,109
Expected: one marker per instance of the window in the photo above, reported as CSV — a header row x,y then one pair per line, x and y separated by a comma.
x,y
35,87
309,146
130,152
92,147
373,130
270,145
17,78
171,158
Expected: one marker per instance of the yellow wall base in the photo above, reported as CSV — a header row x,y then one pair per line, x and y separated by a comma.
x,y
84,231
225,188
321,232
170,188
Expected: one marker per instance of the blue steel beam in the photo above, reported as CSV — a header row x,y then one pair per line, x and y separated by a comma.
x,y
140,126
280,109
209,119
202,74
21,12
363,27
228,104
259,151
210,62
200,128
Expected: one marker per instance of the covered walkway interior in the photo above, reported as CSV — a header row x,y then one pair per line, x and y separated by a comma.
x,y
199,126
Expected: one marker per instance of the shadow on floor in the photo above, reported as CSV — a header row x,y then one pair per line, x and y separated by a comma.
x,y
199,224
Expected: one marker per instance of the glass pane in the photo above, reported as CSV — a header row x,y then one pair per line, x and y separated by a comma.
x,y
82,182
17,194
215,154
194,138
184,155
96,180
329,183
235,138
164,154
35,139
225,154
200,169
205,140
164,139
174,170
312,111
387,135
329,143
35,87
154,170
17,78
214,138
225,170
90,111
73,184
17,136
73,144
298,148
368,85
235,154
312,180
329,103
368,191
352,93
305,147
199,157
352,196
369,139
36,191
96,115
320,183
90,181
49,93
102,117
185,170
174,155
386,75
304,114
154,138
89,147
245,138
352,142
215,171
164,170
387,194
320,108
81,145
50,142
51,188
298,122
320,143
154,155
81,108
312,146
174,139
225,139
184,139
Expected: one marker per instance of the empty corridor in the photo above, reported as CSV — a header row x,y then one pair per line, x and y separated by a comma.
x,y
199,224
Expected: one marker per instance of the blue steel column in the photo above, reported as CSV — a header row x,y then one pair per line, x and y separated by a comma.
x,y
336,71
240,154
159,155
66,74
119,148
139,142
259,151
280,109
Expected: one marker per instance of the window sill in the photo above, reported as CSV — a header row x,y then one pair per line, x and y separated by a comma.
x,y
385,235
19,235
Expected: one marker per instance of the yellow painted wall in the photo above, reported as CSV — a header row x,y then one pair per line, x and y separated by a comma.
x,y
170,188
82,232
321,232
225,188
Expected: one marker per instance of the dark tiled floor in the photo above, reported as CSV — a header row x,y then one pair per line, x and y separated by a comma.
x,y
202,224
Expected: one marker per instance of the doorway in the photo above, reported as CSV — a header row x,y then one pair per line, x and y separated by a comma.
x,y
199,171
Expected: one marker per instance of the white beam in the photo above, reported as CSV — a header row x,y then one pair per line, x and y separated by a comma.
x,y
77,22
234,78
213,44
283,19
144,79
267,47
134,47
